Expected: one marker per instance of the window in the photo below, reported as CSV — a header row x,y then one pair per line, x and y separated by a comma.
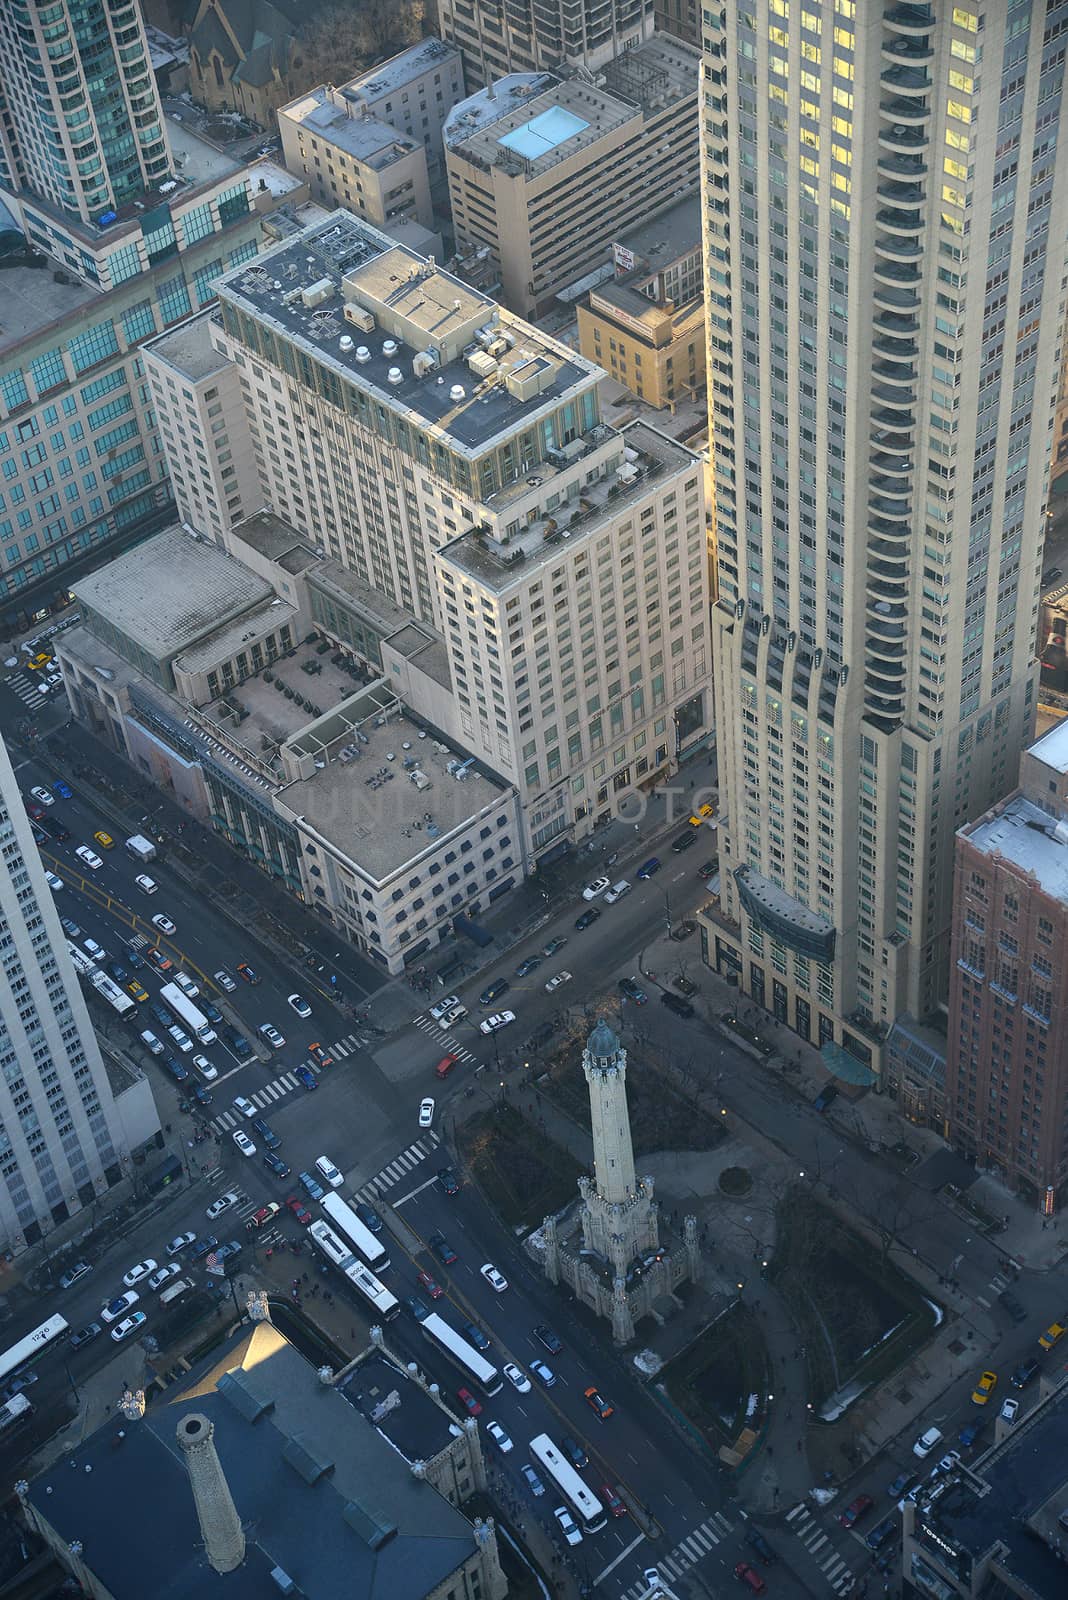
x,y
95,345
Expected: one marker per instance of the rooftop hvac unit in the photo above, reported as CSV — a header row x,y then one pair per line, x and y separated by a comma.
x,y
420,779
481,363
362,319
317,292
424,363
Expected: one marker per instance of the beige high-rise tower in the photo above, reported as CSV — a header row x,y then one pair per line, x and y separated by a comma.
x,y
885,261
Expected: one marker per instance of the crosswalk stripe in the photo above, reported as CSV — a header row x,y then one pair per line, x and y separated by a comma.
x,y
672,1567
704,1539
416,1150
817,1543
691,1548
721,1522
339,1051
397,1169
288,1079
798,1511
834,1567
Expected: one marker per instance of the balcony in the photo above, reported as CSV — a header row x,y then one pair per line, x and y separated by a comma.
x,y
900,194
903,349
897,271
886,417
879,588
900,370
900,221
906,80
910,51
902,250
910,19
895,299
898,164
896,112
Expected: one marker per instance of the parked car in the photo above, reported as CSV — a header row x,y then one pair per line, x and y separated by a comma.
x,y
594,890
826,1096
927,1442
587,919
162,1274
75,1274
681,1008
568,1526
633,990
128,1325
84,1336
533,1482
1009,1410
969,1433
856,1510
882,1532
1025,1373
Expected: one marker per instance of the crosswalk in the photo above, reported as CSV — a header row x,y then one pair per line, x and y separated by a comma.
x,y
699,1542
25,686
447,1040
997,1285
246,1206
835,1569
269,1094
399,1167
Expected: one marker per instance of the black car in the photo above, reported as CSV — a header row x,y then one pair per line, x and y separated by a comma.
x,y
756,1541
496,989
1012,1306
882,1532
201,1095
587,919
448,1180
472,1331
531,964
117,971
135,958
545,1335
53,826
574,1451
1024,1373
681,1008
212,1012
683,841
266,1132
202,1246
369,1217
175,1068
707,868
276,1165
442,1249
418,1308
633,990
162,1015
84,1336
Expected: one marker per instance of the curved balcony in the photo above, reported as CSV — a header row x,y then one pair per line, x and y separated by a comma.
x,y
903,349
881,624
891,654
894,399
884,506
897,322
887,418
905,80
889,536
910,19
894,463
880,588
896,371
894,299
910,51
904,222
888,676
904,250
896,164
910,111
886,490
896,271
898,193
897,135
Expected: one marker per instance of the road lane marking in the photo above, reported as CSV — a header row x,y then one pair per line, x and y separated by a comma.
x,y
612,1565
412,1193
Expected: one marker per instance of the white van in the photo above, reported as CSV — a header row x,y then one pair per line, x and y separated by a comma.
x,y
150,1042
174,1291
617,891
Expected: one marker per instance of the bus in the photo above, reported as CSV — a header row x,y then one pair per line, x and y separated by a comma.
x,y
82,963
119,1002
35,1344
463,1355
362,1240
586,1506
187,1013
336,1251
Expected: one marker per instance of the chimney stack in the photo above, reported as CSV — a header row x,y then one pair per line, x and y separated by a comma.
x,y
220,1525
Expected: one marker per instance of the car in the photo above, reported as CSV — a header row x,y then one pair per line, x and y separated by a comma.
x,y
89,857
182,1242
617,892
202,1096
299,1210
249,974
553,946
574,1452
276,1165
947,1462
988,1382
311,1186
597,1402
226,1252
827,1095
71,929
426,1113
683,841
700,814
84,1336
266,1133
54,883
1051,575
207,1070
756,1541
321,1057
96,951
442,1249
172,1065
244,1107
181,1039
142,1270
306,1076
967,1435
568,1525
41,659
648,868
473,1332
681,1008
1012,1306
418,1308
882,1532
368,1216
533,1482
750,1577
260,1218
33,810
243,1142
1025,1373
171,1269
445,1065
856,1510
433,1289
525,968
499,1437
161,962
516,1377
1053,1335
75,1274
119,1306
104,840
612,1500
63,789
1009,1410
224,980
557,981
468,1401
496,1280
448,1182
587,919
927,1442
452,1016
164,924
594,890
223,1203
497,988
545,1336
184,982
328,1172
500,1019
203,1247
298,1004
146,884
544,1374
901,1485
275,1039
632,989
128,1325
443,1007
45,797
138,990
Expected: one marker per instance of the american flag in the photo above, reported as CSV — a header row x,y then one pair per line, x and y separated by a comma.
x,y
212,1259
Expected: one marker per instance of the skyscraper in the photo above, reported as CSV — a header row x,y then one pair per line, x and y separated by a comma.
x,y
81,124
61,1141
534,34
885,259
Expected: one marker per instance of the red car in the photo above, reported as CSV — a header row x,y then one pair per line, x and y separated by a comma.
x,y
750,1577
34,810
473,1406
434,1290
856,1509
612,1503
158,959
299,1210
321,1057
247,972
598,1403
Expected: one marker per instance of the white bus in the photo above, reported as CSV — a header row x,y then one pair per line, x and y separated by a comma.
x,y
119,1002
463,1355
83,964
187,1013
338,1253
362,1240
27,1350
583,1502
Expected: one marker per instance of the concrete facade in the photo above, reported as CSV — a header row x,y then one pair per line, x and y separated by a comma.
x,y
534,34
350,158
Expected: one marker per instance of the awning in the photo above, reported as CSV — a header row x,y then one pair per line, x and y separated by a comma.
x,y
846,1068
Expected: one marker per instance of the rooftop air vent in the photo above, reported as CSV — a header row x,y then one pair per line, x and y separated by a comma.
x,y
457,393
362,354
394,376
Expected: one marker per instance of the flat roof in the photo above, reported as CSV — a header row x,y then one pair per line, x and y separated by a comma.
x,y
544,132
487,106
32,299
197,160
170,591
412,1420
188,348
224,642
1022,833
1052,748
271,713
667,237
374,143
430,55
569,116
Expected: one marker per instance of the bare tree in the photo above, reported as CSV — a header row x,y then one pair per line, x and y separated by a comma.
x,y
341,39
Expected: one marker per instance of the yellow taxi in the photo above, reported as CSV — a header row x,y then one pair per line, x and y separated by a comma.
x,y
988,1382
139,993
701,815
41,659
104,840
1053,1335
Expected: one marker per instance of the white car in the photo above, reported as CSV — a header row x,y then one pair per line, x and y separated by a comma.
x,y
224,1202
595,889
299,1004
142,1270
244,1107
181,1038
327,1171
150,1042
557,981
54,883
120,1304
187,986
1009,1410
224,980
452,1016
146,884
89,857
499,1437
426,1113
159,1278
96,951
567,1525
495,1279
244,1143
164,924
127,1326
500,1020
207,1071
927,1442
46,797
272,1035
516,1377
183,1241
443,1007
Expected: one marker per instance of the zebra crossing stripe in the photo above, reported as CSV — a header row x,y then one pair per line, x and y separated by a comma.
x,y
673,1567
288,1079
817,1543
690,1548
339,1050
721,1522
798,1511
833,1567
704,1538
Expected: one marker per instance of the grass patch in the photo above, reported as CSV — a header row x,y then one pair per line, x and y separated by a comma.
x,y
522,1173
712,1379
736,1180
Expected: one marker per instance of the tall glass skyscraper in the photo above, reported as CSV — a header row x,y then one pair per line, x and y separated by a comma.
x,y
885,254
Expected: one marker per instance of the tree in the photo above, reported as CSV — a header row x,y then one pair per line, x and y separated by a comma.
x,y
346,37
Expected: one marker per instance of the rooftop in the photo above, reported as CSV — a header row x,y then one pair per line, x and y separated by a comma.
x,y
335,118
430,55
1029,838
400,1408
1052,748
189,350
303,287
669,235
488,106
169,592
270,716
197,160
33,298
541,130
